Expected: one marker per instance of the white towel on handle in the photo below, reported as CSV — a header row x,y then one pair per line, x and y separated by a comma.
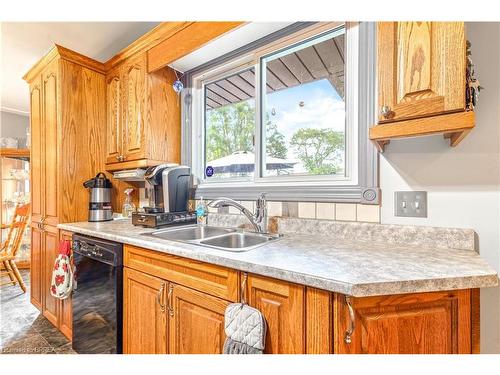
x,y
245,329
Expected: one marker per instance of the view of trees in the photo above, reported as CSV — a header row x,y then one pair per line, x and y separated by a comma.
x,y
319,149
231,128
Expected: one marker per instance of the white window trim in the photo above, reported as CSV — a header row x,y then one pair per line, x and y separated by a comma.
x,y
361,173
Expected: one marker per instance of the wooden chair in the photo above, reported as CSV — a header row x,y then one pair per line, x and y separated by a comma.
x,y
10,247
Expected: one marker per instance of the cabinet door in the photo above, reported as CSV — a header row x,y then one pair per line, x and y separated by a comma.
x,y
36,265
421,68
196,322
134,73
65,305
114,117
36,150
144,319
50,304
424,323
282,304
49,189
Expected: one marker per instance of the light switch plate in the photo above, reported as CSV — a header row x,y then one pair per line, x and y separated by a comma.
x,y
410,203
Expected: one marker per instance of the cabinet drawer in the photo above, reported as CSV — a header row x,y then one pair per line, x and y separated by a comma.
x,y
215,280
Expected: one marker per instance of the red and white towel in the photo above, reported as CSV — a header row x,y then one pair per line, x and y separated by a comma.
x,y
62,274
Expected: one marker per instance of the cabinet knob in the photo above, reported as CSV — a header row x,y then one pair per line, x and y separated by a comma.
x,y
386,111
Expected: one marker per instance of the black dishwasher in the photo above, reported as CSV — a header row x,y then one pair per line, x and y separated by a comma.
x,y
97,300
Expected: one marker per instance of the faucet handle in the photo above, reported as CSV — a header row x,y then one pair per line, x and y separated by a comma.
x,y
261,201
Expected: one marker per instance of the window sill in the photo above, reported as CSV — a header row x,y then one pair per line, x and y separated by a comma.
x,y
302,193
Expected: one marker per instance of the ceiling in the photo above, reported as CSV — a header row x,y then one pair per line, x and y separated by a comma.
x,y
24,43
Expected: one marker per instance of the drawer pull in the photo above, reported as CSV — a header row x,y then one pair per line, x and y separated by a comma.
x,y
243,290
159,297
350,330
170,302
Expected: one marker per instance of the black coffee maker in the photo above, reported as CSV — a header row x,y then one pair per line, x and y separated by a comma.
x,y
168,186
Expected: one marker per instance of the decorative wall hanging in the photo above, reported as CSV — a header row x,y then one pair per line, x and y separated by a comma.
x,y
473,87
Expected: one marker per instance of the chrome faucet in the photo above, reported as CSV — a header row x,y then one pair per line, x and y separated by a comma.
x,y
258,219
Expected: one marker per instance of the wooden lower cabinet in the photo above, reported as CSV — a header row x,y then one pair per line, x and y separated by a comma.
x,y
50,304
44,250
65,305
162,316
282,304
319,321
196,322
36,265
144,318
423,323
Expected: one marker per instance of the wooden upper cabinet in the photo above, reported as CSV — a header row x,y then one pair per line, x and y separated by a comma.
x,y
114,116
143,116
36,150
144,319
283,306
134,72
196,322
421,69
424,323
50,143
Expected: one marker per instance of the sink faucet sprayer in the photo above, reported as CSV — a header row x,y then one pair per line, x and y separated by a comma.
x,y
258,219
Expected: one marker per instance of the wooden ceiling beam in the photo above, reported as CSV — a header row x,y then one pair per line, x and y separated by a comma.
x,y
186,40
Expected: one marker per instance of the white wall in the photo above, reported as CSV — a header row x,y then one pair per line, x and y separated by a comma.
x,y
13,125
463,183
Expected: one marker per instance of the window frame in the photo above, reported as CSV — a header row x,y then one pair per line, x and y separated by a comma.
x,y
350,167
361,186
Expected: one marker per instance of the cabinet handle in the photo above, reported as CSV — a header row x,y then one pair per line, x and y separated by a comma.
x,y
41,225
159,297
118,157
350,330
169,300
243,290
386,111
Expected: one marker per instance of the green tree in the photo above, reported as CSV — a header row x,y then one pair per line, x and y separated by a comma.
x,y
231,128
320,150
275,145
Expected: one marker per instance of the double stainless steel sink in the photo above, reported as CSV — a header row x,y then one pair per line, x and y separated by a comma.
x,y
228,239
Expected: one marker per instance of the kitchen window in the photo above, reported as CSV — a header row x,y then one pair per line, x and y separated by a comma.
x,y
282,117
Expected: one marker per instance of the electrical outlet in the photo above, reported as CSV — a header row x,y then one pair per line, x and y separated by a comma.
x,y
410,203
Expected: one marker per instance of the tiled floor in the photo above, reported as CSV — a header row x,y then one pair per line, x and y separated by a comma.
x,y
23,329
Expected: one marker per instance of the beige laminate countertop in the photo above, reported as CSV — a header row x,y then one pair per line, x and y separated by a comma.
x,y
357,268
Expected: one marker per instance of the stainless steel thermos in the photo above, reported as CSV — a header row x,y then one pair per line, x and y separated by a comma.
x,y
100,198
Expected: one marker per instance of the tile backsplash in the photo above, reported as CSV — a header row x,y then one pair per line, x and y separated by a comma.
x,y
313,210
